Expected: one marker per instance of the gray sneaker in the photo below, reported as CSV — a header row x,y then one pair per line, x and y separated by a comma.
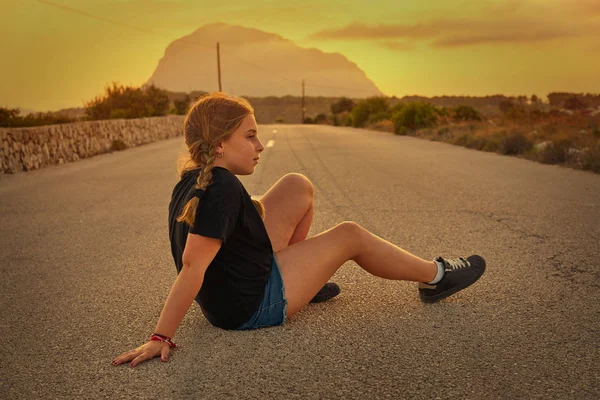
x,y
327,292
459,273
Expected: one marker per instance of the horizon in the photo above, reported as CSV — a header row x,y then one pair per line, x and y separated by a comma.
x,y
542,99
505,48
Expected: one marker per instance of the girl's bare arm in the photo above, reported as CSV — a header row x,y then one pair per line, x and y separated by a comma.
x,y
198,254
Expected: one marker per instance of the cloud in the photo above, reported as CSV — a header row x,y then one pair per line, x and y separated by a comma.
x,y
459,32
396,45
507,37
590,7
358,31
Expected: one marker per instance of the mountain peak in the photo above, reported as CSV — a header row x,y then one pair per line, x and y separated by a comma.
x,y
256,63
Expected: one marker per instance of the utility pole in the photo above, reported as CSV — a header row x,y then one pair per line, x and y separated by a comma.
x,y
219,65
303,109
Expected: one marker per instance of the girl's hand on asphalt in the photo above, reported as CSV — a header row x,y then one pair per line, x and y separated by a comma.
x,y
145,352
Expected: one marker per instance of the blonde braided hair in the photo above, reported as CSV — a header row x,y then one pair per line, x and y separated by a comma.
x,y
212,118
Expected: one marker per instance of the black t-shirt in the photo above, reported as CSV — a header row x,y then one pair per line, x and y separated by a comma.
x,y
235,280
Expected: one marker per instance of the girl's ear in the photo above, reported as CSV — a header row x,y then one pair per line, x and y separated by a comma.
x,y
219,148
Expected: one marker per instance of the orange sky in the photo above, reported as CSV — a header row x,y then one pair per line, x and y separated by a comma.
x,y
55,58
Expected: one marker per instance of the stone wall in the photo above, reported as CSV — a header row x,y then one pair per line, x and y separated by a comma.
x,y
25,149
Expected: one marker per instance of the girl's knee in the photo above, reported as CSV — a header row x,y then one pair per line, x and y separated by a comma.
x,y
351,234
350,227
299,182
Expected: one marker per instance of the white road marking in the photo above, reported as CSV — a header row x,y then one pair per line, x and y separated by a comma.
x,y
270,143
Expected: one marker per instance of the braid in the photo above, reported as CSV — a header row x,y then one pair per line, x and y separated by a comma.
x,y
207,158
214,117
259,207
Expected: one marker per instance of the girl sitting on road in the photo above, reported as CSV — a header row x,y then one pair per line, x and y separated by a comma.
x,y
247,262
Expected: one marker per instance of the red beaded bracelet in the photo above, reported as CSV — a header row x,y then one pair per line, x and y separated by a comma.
x,y
160,338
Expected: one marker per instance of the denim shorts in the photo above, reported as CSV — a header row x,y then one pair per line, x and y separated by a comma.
x,y
271,310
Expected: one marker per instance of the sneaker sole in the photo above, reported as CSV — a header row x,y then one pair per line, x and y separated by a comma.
x,y
448,293
329,296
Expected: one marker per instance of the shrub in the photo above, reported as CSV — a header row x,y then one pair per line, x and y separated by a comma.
x,y
384,125
414,116
10,117
516,143
308,120
555,152
380,116
182,105
442,111
401,131
278,120
365,108
466,113
591,159
341,105
574,103
505,105
512,110
494,142
321,119
128,102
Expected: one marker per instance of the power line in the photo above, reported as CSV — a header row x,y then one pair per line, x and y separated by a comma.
x,y
99,18
188,41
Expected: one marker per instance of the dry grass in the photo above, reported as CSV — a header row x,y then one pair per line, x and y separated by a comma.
x,y
571,141
386,125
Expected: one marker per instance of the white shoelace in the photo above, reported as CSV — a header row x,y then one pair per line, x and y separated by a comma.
x,y
457,263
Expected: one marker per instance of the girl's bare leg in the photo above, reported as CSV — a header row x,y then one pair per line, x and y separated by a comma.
x,y
306,266
288,210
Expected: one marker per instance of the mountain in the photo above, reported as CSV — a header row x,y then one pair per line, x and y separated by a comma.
x,y
256,63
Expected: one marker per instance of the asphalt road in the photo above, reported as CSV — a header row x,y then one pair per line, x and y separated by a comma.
x,y
86,267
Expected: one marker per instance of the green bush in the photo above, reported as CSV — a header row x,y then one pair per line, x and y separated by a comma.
x,y
516,142
11,118
341,105
308,120
402,131
442,111
506,105
380,116
575,103
556,152
321,119
367,107
413,116
182,105
128,102
279,120
466,113
591,159
493,143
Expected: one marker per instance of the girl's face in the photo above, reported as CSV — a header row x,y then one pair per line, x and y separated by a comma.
x,y
242,149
